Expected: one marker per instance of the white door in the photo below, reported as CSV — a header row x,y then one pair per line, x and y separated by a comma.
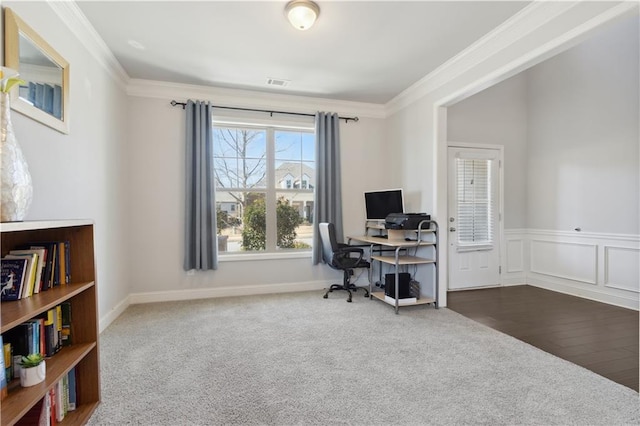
x,y
474,214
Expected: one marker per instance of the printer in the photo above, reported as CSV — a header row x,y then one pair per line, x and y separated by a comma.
x,y
405,220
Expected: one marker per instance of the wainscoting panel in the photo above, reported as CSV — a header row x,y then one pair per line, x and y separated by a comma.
x,y
515,255
622,268
597,266
573,261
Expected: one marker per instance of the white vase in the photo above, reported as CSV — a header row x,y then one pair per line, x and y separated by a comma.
x,y
34,375
17,190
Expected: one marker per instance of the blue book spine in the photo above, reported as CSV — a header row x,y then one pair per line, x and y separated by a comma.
x,y
12,273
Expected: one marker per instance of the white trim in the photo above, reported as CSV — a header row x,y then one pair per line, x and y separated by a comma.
x,y
500,231
71,15
591,293
586,235
510,266
512,30
30,225
529,19
607,257
106,320
250,99
536,270
206,293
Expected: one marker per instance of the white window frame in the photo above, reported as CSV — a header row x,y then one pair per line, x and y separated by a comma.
x,y
271,190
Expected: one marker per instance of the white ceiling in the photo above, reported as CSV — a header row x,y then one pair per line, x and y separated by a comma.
x,y
364,51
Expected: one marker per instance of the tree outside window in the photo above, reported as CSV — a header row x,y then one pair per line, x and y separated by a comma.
x,y
256,170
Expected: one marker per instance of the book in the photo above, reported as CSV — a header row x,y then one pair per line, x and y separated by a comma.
x,y
8,360
30,273
42,259
3,377
52,405
51,334
62,262
58,322
401,302
50,255
72,389
66,323
12,272
38,336
47,281
67,261
59,401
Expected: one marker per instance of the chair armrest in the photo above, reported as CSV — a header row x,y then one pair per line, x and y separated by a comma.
x,y
345,249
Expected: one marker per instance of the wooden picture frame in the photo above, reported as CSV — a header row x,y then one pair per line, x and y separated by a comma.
x,y
45,95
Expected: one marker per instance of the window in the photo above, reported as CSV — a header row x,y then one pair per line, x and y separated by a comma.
x,y
474,202
258,170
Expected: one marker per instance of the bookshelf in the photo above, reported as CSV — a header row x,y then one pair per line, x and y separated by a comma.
x,y
82,294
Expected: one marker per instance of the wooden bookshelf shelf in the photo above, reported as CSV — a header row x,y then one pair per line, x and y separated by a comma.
x,y
81,293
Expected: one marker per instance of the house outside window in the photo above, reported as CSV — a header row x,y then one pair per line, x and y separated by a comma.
x,y
260,208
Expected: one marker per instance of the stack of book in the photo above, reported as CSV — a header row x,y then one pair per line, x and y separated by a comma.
x,y
53,408
33,268
46,334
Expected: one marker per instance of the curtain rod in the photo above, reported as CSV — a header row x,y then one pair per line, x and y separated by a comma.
x,y
346,119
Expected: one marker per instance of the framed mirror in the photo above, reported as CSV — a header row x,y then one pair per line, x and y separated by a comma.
x,y
45,94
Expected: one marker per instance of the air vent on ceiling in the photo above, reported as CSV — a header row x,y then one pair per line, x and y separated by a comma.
x,y
277,82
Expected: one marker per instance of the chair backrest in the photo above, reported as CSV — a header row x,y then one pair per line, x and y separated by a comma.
x,y
329,243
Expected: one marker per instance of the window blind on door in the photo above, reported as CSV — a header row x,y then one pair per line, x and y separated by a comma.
x,y
475,215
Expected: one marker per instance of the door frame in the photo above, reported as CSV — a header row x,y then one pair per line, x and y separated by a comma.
x,y
500,230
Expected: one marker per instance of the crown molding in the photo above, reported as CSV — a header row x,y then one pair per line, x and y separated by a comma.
x,y
514,29
528,19
250,99
77,22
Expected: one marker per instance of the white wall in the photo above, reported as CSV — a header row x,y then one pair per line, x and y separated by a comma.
x,y
156,199
82,174
583,148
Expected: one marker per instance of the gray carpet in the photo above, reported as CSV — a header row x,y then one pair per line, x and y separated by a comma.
x,y
300,359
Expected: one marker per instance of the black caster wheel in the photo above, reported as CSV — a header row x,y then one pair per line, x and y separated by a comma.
x,y
349,300
326,296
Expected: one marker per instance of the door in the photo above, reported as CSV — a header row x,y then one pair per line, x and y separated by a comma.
x,y
474,214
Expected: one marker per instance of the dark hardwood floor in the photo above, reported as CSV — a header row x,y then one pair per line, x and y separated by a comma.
x,y
600,337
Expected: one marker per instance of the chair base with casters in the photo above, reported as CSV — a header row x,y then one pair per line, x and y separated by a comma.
x,y
341,257
346,286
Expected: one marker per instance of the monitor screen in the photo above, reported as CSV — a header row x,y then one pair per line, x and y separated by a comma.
x,y
379,204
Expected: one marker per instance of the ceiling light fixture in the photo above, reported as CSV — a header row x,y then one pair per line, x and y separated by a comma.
x,y
302,13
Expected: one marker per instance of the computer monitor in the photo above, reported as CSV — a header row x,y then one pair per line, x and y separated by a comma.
x,y
379,204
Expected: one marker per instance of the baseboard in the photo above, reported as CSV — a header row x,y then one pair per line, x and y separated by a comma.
x,y
106,320
591,293
513,281
207,293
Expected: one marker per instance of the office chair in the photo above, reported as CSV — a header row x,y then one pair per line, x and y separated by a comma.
x,y
338,256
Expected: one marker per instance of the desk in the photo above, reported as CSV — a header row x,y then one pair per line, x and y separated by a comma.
x,y
397,260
